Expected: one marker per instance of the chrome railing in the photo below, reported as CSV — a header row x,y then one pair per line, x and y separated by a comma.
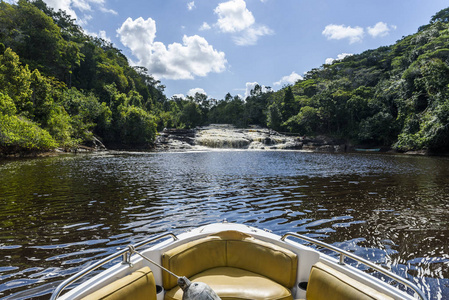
x,y
344,254
125,253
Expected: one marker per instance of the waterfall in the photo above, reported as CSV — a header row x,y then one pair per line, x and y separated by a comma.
x,y
219,136
226,136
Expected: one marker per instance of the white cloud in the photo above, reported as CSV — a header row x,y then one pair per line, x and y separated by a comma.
x,y
65,5
191,5
250,86
381,29
289,79
192,92
194,57
181,96
109,11
329,60
233,16
251,35
338,32
83,22
101,34
236,19
137,34
205,26
339,57
83,6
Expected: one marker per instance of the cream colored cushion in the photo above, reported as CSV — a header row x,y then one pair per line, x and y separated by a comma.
x,y
232,283
263,258
139,285
192,258
231,249
328,283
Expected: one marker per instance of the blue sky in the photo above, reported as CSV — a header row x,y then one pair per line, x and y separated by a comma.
x,y
216,47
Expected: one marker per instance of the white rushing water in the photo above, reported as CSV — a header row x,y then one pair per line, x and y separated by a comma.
x,y
229,137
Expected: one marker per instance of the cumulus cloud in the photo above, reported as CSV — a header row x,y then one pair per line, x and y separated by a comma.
x,y
233,16
338,32
192,92
381,29
289,79
236,19
339,57
205,26
251,85
191,5
194,57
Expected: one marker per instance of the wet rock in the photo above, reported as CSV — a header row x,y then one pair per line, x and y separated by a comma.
x,y
229,137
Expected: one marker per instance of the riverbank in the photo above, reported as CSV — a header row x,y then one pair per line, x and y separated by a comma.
x,y
225,136
94,146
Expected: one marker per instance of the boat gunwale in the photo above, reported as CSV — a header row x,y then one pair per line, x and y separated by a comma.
x,y
267,235
125,253
344,253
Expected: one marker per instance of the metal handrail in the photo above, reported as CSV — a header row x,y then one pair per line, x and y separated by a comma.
x,y
344,254
126,259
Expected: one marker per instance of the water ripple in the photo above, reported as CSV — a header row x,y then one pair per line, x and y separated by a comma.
x,y
59,215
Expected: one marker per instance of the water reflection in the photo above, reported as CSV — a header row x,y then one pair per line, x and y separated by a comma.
x,y
59,214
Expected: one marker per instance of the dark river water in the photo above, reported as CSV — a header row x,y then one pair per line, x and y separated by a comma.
x,y
60,214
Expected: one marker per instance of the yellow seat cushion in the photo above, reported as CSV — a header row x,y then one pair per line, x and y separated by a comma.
x,y
139,285
263,258
328,283
232,283
231,249
192,258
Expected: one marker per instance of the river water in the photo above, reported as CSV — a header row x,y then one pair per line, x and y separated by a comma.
x,y
60,214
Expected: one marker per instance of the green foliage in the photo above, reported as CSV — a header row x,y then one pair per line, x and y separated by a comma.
x,y
288,104
229,111
7,106
305,122
59,87
19,134
137,127
15,79
441,16
79,86
393,96
190,115
274,116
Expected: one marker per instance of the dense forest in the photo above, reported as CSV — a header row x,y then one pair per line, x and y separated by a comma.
x,y
60,88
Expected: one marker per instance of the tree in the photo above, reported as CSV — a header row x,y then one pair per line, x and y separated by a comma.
x,y
441,16
274,116
190,115
289,108
15,79
137,127
305,122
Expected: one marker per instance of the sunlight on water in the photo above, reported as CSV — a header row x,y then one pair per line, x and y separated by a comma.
x,y
60,214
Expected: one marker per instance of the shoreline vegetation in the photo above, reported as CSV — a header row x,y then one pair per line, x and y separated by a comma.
x,y
62,90
228,137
